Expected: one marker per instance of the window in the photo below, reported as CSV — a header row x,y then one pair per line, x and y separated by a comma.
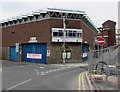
x,y
55,33
70,34
60,33
67,54
74,33
78,34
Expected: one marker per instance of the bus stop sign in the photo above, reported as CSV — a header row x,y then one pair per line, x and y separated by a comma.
x,y
101,41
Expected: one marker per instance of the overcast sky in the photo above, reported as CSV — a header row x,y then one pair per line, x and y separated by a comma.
x,y
98,10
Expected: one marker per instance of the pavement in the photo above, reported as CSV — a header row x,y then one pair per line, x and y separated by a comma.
x,y
12,63
82,64
111,81
98,82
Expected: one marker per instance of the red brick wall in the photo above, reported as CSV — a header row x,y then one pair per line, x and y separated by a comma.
x,y
42,30
22,33
111,32
105,33
88,35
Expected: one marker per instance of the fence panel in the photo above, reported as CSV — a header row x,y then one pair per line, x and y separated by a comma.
x,y
104,66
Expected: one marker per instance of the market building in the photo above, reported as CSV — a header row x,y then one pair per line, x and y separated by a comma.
x,y
48,36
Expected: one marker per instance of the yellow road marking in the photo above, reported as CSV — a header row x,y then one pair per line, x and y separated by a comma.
x,y
81,83
79,80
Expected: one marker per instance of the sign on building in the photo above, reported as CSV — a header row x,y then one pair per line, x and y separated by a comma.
x,y
34,56
33,39
48,53
17,47
85,54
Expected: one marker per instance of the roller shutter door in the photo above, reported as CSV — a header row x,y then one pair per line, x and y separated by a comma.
x,y
34,53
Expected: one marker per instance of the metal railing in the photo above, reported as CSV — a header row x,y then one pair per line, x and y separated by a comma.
x,y
104,66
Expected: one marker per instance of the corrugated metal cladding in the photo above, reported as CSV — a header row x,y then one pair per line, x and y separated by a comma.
x,y
35,53
13,54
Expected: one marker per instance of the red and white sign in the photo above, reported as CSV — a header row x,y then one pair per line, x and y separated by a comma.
x,y
101,41
48,53
34,56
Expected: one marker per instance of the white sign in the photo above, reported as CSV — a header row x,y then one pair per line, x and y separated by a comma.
x,y
34,56
33,39
85,54
17,47
68,39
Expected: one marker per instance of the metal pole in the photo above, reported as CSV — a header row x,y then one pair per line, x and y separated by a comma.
x,y
98,53
102,52
106,77
64,33
102,60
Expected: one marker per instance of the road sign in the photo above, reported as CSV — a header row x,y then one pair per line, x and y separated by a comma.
x,y
101,41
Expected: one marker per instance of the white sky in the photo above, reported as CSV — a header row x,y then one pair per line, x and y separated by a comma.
x,y
98,10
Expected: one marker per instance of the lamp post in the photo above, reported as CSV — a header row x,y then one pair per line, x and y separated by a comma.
x,y
64,34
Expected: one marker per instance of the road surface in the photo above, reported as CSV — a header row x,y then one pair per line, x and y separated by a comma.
x,y
21,76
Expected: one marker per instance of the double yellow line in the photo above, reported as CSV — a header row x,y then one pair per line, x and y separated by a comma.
x,y
81,81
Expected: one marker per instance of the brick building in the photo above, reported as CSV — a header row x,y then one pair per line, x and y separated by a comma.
x,y
108,32
38,37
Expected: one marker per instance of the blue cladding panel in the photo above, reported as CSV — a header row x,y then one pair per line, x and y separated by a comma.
x,y
85,50
13,54
34,49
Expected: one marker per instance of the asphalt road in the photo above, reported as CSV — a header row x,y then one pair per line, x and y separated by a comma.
x,y
20,76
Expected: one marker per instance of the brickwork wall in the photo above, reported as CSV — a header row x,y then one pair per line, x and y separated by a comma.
x,y
22,33
5,53
88,36
56,53
42,31
111,32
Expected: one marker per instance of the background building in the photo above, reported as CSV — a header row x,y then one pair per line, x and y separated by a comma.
x,y
38,36
118,36
108,32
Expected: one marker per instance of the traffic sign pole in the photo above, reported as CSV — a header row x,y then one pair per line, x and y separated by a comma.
x,y
101,42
